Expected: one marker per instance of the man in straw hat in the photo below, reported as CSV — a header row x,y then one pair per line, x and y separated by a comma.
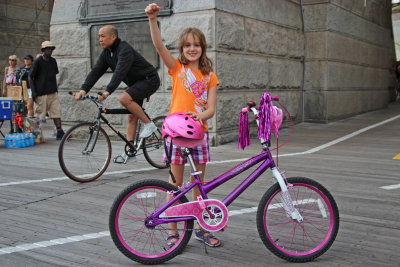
x,y
43,82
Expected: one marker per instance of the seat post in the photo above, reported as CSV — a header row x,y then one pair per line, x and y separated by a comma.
x,y
186,152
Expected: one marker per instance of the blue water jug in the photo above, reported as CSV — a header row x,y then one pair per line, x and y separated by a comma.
x,y
10,141
31,139
23,140
19,139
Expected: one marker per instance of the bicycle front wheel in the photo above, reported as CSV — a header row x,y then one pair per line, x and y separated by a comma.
x,y
292,240
83,155
153,148
147,245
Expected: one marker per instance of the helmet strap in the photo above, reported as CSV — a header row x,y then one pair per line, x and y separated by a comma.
x,y
169,155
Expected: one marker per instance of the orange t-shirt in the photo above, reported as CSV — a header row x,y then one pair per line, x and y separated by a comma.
x,y
190,89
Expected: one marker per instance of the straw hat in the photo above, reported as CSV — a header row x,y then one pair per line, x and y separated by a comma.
x,y
46,44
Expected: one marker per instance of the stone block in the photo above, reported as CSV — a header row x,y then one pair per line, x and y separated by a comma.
x,y
354,102
223,138
295,43
315,106
180,6
316,17
159,104
316,75
66,11
316,45
229,31
72,73
241,71
276,11
343,21
71,40
171,27
272,41
228,108
284,73
344,75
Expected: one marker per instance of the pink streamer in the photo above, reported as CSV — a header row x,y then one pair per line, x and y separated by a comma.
x,y
244,136
264,127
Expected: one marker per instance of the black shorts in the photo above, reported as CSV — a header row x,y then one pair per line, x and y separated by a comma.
x,y
144,88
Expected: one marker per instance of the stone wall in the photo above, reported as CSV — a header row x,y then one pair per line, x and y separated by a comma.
x,y
24,25
257,46
349,58
396,28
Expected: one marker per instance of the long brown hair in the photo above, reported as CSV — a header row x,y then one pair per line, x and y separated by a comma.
x,y
205,64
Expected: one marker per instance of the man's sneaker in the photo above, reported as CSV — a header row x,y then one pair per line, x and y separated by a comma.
x,y
60,134
148,129
124,159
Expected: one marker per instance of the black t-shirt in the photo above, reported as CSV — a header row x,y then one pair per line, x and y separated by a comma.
x,y
43,74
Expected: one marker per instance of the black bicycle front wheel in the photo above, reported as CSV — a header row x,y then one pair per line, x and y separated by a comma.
x,y
77,159
153,148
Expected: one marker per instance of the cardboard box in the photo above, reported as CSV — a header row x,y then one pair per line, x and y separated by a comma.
x,y
15,92
25,91
6,108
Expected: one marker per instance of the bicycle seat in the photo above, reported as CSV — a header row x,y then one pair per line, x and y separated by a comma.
x,y
186,142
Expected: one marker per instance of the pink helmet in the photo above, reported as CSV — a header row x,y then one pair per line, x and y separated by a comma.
x,y
184,129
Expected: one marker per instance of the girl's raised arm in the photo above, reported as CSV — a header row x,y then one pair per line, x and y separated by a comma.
x,y
152,11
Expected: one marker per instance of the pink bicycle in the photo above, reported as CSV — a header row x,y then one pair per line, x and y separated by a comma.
x,y
297,218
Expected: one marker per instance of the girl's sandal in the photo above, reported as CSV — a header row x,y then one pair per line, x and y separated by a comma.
x,y
172,239
206,237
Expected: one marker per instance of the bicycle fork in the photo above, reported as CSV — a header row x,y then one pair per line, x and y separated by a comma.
x,y
94,129
285,197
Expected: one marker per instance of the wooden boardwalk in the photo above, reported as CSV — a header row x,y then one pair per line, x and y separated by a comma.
x,y
49,220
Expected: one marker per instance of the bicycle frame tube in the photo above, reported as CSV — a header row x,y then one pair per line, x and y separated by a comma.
x,y
204,189
156,220
268,163
116,131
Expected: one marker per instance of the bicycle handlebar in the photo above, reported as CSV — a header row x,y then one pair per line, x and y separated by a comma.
x,y
252,104
94,98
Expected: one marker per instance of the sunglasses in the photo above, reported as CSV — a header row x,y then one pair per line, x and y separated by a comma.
x,y
12,59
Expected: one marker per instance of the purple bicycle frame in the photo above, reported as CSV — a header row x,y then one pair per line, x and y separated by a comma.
x,y
204,189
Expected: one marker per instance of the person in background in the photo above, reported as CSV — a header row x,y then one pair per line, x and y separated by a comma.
x,y
10,76
43,82
23,75
130,67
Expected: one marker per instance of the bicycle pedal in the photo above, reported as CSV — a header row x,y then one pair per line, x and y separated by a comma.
x,y
223,229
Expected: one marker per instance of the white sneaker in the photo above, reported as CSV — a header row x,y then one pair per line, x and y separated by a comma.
x,y
124,159
148,129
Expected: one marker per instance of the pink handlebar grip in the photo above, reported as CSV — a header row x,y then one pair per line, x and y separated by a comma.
x,y
246,109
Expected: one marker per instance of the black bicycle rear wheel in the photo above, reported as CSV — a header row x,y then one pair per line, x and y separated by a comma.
x,y
153,148
76,161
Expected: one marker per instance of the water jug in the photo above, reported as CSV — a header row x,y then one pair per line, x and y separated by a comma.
x,y
10,141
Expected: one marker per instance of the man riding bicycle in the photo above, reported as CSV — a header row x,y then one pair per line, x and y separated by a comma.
x,y
135,71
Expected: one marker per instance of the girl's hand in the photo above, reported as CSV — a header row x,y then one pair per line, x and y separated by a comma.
x,y
152,11
195,116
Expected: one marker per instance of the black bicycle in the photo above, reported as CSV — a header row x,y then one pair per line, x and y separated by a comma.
x,y
85,149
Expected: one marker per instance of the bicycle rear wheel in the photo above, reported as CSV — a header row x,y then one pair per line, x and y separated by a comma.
x,y
132,237
76,161
153,148
292,240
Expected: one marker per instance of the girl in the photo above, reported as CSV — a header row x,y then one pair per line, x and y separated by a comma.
x,y
10,73
194,91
